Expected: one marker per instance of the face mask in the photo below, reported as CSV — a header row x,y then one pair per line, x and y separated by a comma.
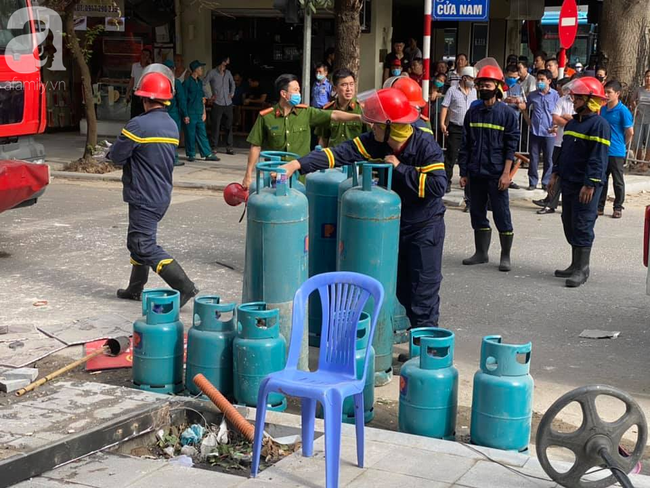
x,y
600,78
396,72
487,94
438,84
511,81
295,99
320,76
541,85
469,84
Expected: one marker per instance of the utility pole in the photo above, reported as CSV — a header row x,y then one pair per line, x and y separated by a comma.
x,y
306,55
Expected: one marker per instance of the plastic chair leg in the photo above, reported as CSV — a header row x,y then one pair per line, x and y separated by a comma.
x,y
359,425
308,411
333,419
260,417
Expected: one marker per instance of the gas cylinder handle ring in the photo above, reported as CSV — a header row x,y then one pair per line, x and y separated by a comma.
x,y
367,174
596,442
269,167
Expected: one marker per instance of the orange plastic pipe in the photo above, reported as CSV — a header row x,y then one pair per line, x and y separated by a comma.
x,y
222,403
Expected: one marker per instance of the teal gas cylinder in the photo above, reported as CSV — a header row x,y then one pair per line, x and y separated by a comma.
x,y
368,244
277,248
401,324
363,332
428,393
158,343
209,344
276,156
352,179
502,402
322,194
258,350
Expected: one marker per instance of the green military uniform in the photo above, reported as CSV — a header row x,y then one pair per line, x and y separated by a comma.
x,y
338,132
275,132
195,133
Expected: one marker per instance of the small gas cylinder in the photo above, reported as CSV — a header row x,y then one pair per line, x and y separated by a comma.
x,y
209,344
502,402
363,331
428,397
158,343
258,350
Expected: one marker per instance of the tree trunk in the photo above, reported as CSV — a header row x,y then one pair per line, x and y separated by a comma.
x,y
86,83
348,33
623,39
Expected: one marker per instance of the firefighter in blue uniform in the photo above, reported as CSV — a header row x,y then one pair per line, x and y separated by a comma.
x,y
420,181
490,139
145,149
581,169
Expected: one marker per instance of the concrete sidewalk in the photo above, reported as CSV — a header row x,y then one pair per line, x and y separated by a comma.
x,y
65,409
62,148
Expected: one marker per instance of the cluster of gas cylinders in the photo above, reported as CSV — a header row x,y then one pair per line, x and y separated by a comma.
x,y
341,221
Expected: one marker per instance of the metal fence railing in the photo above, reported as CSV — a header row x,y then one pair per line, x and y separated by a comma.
x,y
639,147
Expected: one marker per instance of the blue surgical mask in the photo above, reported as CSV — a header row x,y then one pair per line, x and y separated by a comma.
x,y
438,84
541,85
320,76
396,72
295,99
511,81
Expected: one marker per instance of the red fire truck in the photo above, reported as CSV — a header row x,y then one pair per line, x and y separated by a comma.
x,y
23,174
646,247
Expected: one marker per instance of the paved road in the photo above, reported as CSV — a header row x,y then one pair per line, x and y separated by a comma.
x,y
69,250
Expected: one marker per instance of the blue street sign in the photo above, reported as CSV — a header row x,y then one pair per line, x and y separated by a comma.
x,y
461,10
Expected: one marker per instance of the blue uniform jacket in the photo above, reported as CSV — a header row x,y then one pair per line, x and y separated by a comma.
x,y
420,179
490,136
584,152
146,149
194,94
178,107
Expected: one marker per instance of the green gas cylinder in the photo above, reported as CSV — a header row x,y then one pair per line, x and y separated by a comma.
x,y
209,344
158,343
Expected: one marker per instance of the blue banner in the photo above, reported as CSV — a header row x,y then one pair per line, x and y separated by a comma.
x,y
461,10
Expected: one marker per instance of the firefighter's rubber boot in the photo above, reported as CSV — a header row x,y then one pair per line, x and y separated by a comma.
x,y
506,246
139,278
176,278
565,273
581,270
482,240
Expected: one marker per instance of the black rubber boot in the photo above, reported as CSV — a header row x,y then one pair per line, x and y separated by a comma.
x,y
482,240
139,278
581,270
506,246
176,278
565,273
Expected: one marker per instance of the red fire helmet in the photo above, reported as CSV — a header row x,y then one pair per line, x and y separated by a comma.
x,y
587,85
387,106
155,86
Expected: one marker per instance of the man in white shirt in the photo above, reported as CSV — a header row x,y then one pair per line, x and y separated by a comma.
x,y
137,108
562,113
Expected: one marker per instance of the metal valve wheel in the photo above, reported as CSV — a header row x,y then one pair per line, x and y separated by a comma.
x,y
596,442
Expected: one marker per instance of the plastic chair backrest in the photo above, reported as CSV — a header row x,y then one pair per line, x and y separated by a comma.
x,y
343,296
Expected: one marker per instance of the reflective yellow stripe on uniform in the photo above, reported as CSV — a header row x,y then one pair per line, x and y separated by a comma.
x,y
426,129
421,186
430,167
135,263
149,140
162,264
586,137
360,148
330,157
482,125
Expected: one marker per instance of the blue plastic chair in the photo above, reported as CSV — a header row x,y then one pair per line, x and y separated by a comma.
x,y
343,296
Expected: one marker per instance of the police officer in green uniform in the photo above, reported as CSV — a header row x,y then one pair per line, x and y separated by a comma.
x,y
338,132
287,125
177,108
195,133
